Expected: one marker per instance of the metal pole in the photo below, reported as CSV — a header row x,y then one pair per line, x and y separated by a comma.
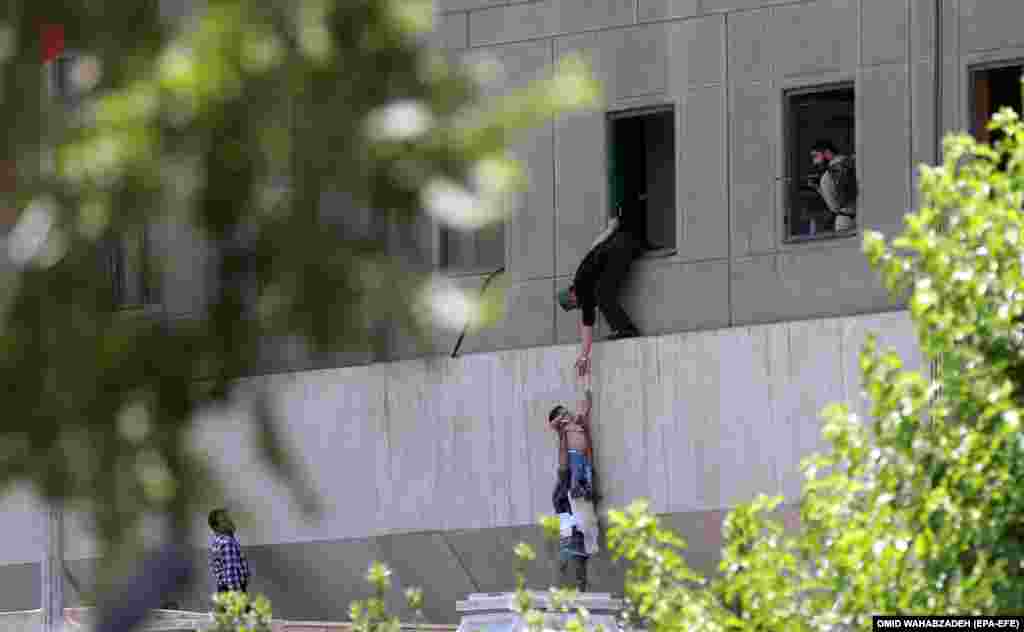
x,y
52,571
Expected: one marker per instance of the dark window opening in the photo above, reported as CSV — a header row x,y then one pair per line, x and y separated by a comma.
x,y
812,116
128,266
994,89
642,174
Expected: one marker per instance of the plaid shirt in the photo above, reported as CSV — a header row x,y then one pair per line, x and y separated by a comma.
x,y
228,565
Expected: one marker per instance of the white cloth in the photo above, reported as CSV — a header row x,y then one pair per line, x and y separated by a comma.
x,y
586,519
566,522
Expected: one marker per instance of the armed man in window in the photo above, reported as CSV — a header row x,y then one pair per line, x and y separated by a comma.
x,y
834,177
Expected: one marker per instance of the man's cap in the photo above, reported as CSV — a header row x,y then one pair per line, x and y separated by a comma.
x,y
565,299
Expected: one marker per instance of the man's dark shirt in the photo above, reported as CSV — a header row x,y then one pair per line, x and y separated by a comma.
x,y
585,282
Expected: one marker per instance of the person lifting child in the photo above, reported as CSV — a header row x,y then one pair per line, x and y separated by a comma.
x,y
576,478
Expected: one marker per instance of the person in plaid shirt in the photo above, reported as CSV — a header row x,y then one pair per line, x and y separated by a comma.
x,y
228,565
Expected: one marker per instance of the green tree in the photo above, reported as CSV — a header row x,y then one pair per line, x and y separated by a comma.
x,y
914,510
199,121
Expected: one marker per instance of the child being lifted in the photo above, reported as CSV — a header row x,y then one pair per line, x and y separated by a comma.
x,y
575,453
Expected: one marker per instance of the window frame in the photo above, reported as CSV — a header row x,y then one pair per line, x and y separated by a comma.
x,y
973,70
790,162
960,112
635,110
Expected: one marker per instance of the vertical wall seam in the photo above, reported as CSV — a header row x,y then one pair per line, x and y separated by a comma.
x,y
554,214
909,110
494,447
937,69
387,444
957,88
727,167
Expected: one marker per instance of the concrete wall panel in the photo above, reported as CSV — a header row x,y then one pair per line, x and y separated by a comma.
x,y
753,128
530,227
451,31
696,53
986,25
580,187
884,153
544,18
664,9
736,447
810,383
665,297
621,420
813,38
749,58
701,195
615,55
20,587
718,6
687,367
527,320
810,283
21,514
884,31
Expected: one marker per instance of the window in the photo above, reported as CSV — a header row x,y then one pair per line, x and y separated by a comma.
x,y
125,256
478,250
642,173
127,260
813,115
994,89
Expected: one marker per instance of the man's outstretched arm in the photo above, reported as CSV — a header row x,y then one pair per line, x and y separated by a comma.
x,y
586,342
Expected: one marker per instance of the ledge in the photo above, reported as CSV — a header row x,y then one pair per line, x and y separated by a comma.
x,y
842,234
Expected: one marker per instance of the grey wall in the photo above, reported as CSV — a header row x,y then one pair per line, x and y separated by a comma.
x,y
725,65
438,466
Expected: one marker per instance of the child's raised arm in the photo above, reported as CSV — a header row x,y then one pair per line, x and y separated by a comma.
x,y
587,403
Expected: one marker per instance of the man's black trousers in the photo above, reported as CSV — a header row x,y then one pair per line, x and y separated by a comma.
x,y
620,251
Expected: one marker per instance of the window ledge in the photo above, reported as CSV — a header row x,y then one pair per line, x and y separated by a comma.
x,y
467,272
841,234
659,253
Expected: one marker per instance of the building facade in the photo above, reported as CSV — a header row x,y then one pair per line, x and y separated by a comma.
x,y
753,306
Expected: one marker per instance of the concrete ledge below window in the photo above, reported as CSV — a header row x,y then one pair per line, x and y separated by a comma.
x,y
841,234
659,253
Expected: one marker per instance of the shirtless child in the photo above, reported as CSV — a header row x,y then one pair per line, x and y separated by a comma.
x,y
575,450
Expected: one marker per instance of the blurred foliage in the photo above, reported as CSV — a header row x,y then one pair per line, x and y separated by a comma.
x,y
236,612
231,121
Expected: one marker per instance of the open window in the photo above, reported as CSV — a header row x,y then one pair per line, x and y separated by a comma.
x,y
993,89
814,115
642,173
